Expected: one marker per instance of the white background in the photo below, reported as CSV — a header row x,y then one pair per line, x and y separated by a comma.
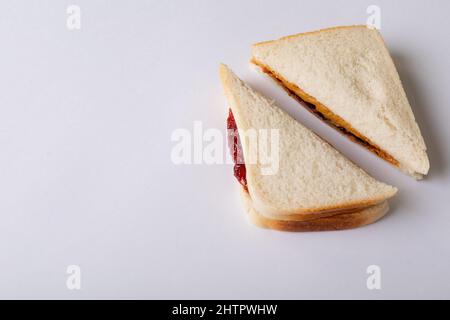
x,y
86,177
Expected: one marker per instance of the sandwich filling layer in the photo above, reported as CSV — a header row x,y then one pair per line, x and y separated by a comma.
x,y
327,115
234,143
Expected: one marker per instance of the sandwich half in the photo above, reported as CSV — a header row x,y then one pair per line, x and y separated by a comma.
x,y
346,76
314,187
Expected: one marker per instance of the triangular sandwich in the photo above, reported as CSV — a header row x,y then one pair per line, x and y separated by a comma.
x,y
346,76
312,187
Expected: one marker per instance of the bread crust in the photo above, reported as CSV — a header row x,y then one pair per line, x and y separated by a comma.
x,y
312,32
335,222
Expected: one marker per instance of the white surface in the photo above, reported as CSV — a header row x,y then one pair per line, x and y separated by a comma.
x,y
86,177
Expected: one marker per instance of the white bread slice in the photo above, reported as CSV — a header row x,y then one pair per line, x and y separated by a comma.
x,y
342,221
348,74
313,178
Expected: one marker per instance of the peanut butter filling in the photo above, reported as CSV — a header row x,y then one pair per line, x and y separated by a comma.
x,y
327,115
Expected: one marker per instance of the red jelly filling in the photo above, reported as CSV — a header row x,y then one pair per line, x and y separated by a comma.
x,y
234,143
